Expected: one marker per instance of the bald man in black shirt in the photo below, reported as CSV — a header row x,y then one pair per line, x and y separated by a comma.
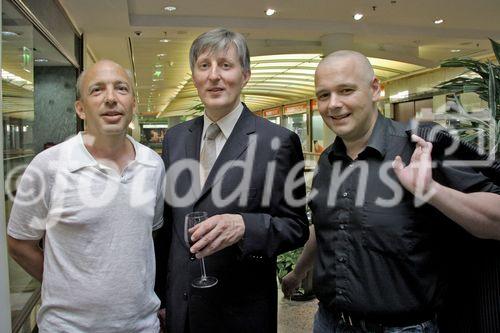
x,y
386,210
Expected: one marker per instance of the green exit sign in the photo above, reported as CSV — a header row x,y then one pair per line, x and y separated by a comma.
x,y
27,59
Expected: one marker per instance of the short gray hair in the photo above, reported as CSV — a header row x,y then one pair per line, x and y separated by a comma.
x,y
218,40
81,77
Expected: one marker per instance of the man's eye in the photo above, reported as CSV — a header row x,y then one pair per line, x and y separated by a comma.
x,y
323,96
203,65
226,65
346,91
95,90
123,88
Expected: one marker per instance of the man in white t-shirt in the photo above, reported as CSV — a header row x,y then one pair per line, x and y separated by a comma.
x,y
95,200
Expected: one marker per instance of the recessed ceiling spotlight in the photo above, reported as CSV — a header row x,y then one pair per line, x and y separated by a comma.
x,y
358,16
170,8
164,40
270,12
41,60
161,54
455,50
438,21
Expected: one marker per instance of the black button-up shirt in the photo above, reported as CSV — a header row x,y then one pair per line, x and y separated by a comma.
x,y
375,257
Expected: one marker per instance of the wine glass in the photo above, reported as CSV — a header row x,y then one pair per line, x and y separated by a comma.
x,y
190,221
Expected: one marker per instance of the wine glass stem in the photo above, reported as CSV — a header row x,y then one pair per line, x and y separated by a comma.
x,y
203,272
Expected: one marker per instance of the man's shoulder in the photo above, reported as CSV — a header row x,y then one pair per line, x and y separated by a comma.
x,y
54,153
149,154
396,128
182,127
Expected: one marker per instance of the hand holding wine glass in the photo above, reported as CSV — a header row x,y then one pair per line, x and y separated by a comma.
x,y
191,220
217,233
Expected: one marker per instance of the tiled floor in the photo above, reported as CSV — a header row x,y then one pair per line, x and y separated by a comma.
x,y
295,317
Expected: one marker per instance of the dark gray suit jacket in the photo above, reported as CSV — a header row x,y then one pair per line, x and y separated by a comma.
x,y
245,299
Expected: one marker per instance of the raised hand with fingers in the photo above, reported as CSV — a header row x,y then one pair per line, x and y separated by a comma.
x,y
416,177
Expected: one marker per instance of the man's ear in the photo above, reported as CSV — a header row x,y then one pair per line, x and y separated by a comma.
x,y
376,89
246,78
79,109
134,107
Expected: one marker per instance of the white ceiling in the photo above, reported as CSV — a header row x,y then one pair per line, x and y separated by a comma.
x,y
401,31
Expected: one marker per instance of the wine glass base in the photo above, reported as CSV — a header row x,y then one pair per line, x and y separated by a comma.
x,y
204,282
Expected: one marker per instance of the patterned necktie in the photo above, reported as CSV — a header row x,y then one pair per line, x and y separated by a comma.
x,y
208,153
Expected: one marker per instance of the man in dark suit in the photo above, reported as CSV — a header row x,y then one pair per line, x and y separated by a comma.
x,y
249,180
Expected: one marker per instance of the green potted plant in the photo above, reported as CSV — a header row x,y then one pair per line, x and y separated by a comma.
x,y
486,84
285,262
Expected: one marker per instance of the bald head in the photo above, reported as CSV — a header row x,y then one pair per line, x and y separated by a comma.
x,y
347,92
95,67
349,58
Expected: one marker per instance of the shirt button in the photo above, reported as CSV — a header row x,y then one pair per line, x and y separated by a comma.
x,y
341,259
185,296
344,194
340,292
342,226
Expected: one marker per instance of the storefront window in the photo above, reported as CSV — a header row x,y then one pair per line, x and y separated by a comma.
x,y
317,133
152,135
38,95
276,120
18,125
298,124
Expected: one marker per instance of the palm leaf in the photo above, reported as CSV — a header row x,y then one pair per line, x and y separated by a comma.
x,y
492,101
496,49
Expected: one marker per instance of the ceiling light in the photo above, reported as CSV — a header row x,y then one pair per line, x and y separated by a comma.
x,y
41,60
455,50
164,40
10,34
438,21
270,12
358,16
170,8
161,54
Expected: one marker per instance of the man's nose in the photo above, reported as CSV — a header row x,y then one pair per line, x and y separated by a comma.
x,y
214,73
110,96
334,102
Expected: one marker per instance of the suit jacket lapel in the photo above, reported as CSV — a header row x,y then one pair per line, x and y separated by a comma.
x,y
235,145
193,152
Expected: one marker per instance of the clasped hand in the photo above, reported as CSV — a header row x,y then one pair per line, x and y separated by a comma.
x,y
216,233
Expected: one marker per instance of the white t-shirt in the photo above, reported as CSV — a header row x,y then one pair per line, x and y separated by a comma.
x,y
99,264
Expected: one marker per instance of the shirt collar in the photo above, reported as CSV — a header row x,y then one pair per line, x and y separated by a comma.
x,y
378,139
376,144
80,157
226,123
